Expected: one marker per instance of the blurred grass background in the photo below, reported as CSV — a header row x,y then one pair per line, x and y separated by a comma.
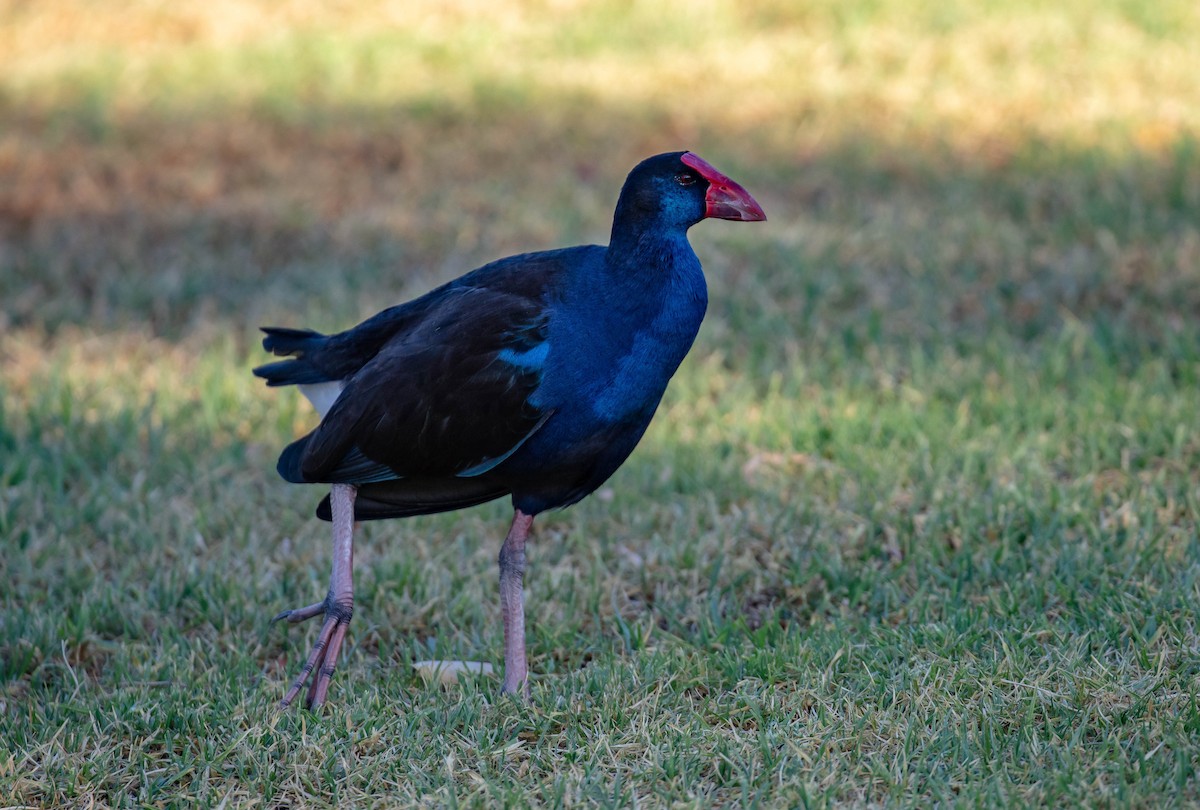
x,y
917,521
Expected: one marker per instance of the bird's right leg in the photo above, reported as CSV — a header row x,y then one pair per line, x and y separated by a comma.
x,y
512,605
338,606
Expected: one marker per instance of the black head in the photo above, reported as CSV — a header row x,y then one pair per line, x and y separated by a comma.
x,y
677,190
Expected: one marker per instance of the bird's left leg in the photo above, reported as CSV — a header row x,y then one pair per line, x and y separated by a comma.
x,y
338,606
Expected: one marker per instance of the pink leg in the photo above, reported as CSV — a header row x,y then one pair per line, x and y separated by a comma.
x,y
512,605
337,608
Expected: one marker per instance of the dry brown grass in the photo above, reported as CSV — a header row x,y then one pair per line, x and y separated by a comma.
x,y
275,132
797,82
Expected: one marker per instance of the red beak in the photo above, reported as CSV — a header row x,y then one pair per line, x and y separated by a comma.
x,y
725,198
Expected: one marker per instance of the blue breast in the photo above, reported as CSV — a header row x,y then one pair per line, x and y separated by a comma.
x,y
613,343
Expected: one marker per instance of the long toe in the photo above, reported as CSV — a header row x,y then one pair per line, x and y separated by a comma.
x,y
322,661
297,615
324,674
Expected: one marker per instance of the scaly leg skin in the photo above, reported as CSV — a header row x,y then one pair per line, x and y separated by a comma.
x,y
337,608
512,605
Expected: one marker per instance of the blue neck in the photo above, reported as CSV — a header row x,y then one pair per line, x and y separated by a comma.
x,y
645,267
626,327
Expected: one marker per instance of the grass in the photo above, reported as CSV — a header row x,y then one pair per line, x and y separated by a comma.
x,y
916,523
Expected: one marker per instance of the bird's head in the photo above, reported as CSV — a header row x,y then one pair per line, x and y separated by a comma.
x,y
678,189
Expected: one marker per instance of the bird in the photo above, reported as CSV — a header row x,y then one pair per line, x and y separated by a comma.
x,y
533,377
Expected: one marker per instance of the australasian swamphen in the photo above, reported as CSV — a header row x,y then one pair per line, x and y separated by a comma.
x,y
533,376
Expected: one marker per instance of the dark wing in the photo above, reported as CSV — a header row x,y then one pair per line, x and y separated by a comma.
x,y
447,396
417,496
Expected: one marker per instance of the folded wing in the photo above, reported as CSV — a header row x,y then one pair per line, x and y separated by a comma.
x,y
435,394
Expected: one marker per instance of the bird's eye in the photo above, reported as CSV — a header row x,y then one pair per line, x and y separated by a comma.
x,y
685,178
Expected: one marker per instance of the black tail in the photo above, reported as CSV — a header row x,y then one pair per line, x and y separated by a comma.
x,y
287,342
296,343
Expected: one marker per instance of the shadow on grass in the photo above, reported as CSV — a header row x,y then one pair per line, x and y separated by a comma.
x,y
225,218
191,230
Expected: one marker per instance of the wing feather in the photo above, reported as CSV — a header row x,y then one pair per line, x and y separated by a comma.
x,y
437,399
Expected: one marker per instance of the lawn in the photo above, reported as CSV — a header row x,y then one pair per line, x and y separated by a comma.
x,y
916,524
